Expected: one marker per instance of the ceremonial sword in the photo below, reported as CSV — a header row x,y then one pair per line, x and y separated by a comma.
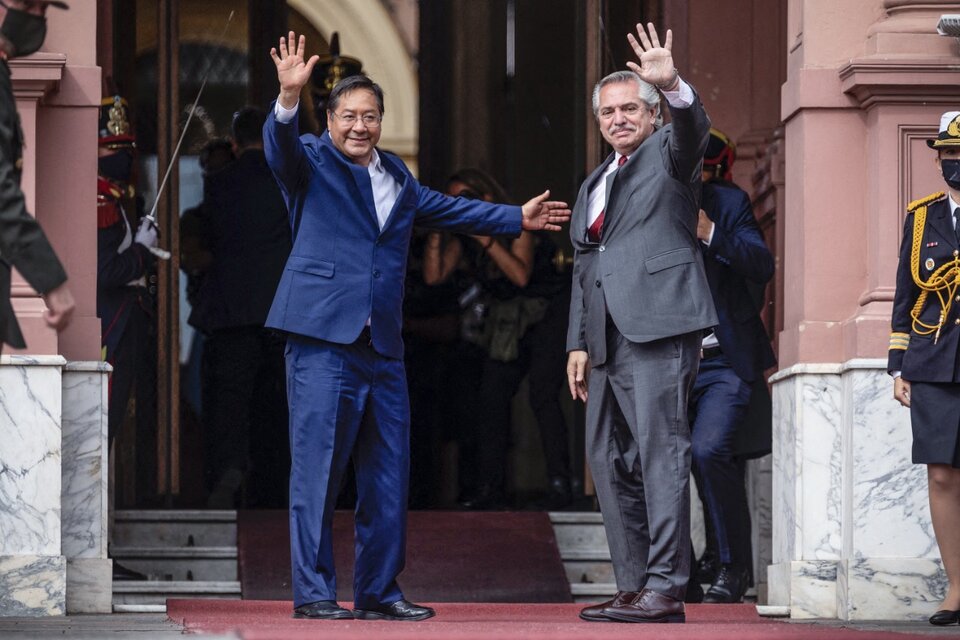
x,y
151,217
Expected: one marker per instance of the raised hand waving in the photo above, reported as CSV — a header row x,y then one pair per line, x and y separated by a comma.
x,y
292,71
656,62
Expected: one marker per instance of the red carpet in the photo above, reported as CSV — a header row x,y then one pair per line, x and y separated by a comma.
x,y
260,620
452,556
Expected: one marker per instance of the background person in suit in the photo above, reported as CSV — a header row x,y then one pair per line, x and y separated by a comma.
x,y
924,356
22,242
734,356
245,228
352,209
640,302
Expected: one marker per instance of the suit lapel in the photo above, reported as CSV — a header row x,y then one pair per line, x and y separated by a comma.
x,y
361,177
578,220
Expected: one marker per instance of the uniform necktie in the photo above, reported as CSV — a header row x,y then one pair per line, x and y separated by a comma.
x,y
956,223
594,230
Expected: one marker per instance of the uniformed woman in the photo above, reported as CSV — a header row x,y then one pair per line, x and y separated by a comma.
x,y
923,356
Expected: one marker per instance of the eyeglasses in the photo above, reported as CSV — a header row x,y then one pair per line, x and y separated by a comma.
x,y
368,119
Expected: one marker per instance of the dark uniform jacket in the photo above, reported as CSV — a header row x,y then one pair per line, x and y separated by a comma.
x,y
120,262
22,242
922,353
738,266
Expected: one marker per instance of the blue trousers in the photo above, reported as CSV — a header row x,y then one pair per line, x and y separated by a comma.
x,y
347,401
718,406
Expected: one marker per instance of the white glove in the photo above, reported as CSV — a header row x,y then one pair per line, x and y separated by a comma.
x,y
146,234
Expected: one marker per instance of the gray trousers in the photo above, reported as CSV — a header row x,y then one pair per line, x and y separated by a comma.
x,y
638,444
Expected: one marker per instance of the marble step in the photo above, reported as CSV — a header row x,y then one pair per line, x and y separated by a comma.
x,y
579,531
156,592
183,528
181,563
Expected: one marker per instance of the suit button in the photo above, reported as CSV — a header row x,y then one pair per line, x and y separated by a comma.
x,y
376,273
598,283
602,248
957,321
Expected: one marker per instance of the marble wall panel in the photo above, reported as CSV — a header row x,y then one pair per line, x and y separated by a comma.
x,y
84,473
30,409
32,585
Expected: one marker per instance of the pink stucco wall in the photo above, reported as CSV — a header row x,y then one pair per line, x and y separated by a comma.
x,y
866,83
58,96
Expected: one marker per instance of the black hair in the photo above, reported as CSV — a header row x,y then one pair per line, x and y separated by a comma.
x,y
215,154
247,126
352,83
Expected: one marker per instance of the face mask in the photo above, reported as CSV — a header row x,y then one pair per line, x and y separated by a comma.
x,y
24,31
951,172
117,166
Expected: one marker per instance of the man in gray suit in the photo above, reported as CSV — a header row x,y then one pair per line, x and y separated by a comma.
x,y
640,303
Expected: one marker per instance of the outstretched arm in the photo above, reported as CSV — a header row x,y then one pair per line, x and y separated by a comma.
x,y
540,213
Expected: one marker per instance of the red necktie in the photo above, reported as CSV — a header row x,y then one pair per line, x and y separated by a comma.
x,y
594,230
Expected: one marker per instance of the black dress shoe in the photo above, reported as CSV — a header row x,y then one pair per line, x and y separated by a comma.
x,y
945,617
648,606
730,586
322,610
594,613
694,592
707,568
399,610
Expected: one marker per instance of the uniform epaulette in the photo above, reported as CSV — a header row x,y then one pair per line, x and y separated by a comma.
x,y
933,197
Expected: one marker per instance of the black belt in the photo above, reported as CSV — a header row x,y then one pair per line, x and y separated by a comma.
x,y
365,338
710,352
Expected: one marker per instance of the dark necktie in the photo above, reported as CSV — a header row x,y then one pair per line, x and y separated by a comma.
x,y
956,223
594,231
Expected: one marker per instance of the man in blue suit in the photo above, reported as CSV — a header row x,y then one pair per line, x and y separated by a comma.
x,y
730,405
352,208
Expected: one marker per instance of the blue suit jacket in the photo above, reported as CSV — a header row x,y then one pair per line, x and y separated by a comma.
x,y
343,268
738,266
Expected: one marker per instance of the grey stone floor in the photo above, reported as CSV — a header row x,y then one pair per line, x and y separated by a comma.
x,y
118,626
155,626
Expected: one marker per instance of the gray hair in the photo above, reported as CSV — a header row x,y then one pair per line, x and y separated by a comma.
x,y
647,93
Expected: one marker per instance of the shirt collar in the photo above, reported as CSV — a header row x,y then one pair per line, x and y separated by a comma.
x,y
953,204
375,165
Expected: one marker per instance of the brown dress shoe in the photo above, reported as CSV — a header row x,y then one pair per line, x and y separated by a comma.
x,y
594,613
648,606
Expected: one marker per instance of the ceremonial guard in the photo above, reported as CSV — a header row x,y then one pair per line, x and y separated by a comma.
x,y
923,356
124,266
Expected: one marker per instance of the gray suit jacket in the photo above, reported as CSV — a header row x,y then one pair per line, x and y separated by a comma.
x,y
646,272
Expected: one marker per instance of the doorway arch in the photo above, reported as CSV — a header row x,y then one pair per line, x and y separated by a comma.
x,y
367,32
